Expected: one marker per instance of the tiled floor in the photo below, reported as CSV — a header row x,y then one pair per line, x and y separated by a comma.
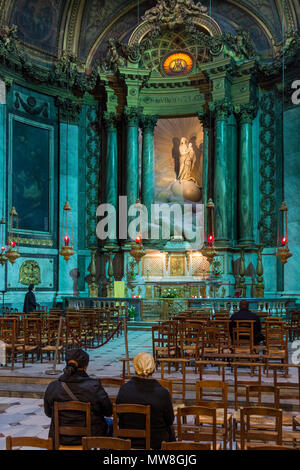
x,y
104,360
25,416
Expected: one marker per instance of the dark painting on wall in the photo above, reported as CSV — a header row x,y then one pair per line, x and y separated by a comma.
x,y
30,176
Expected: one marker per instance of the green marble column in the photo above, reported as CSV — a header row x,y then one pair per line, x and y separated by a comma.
x,y
148,124
132,154
246,115
206,122
222,111
111,176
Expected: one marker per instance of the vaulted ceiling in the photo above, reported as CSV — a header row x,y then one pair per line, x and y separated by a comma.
x,y
82,27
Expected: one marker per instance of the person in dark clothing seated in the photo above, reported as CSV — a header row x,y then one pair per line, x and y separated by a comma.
x,y
245,314
85,389
29,301
144,390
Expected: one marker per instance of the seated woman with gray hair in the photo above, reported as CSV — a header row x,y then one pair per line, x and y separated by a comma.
x,y
144,390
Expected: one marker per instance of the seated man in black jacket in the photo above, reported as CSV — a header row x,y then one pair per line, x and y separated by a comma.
x,y
245,314
143,390
84,389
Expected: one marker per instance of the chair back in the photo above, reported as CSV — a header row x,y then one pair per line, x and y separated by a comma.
x,y
82,431
180,445
132,433
168,385
252,425
196,432
27,441
110,384
110,443
258,390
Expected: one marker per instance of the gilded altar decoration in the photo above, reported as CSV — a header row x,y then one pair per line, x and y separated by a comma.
x,y
93,285
177,265
30,273
259,289
152,266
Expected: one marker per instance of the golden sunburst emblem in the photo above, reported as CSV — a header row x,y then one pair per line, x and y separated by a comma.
x,y
178,63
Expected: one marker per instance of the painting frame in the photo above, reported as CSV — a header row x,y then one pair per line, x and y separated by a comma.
x,y
12,118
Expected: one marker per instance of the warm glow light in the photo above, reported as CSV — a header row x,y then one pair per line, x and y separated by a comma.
x,y
210,240
178,63
67,240
2,248
138,239
12,243
283,241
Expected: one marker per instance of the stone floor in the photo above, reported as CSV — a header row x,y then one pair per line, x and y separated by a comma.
x,y
25,416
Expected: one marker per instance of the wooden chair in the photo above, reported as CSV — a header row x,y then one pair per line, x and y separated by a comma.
x,y
276,343
193,431
214,394
31,339
49,346
258,391
211,342
190,334
251,418
110,382
270,447
243,337
132,433
111,443
8,334
181,445
83,431
27,441
164,340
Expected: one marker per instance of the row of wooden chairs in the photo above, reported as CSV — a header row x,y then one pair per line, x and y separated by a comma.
x,y
35,335
196,339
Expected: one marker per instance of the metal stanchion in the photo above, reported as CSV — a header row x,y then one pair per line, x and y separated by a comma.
x,y
126,345
53,371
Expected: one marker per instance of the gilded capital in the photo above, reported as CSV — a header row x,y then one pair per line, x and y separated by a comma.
x,y
221,109
206,119
68,109
246,113
148,123
109,120
133,115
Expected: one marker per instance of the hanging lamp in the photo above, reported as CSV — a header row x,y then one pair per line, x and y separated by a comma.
x,y
282,251
12,253
3,257
208,250
66,233
137,249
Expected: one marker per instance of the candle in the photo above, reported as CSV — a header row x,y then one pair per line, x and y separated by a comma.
x,y
2,248
283,241
210,240
67,240
12,243
138,239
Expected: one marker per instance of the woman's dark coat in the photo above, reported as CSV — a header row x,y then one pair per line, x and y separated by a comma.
x,y
85,389
141,391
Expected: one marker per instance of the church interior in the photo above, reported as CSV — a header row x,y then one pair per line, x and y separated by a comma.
x,y
149,203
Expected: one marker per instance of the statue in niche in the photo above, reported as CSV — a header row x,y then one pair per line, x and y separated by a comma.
x,y
187,161
187,183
